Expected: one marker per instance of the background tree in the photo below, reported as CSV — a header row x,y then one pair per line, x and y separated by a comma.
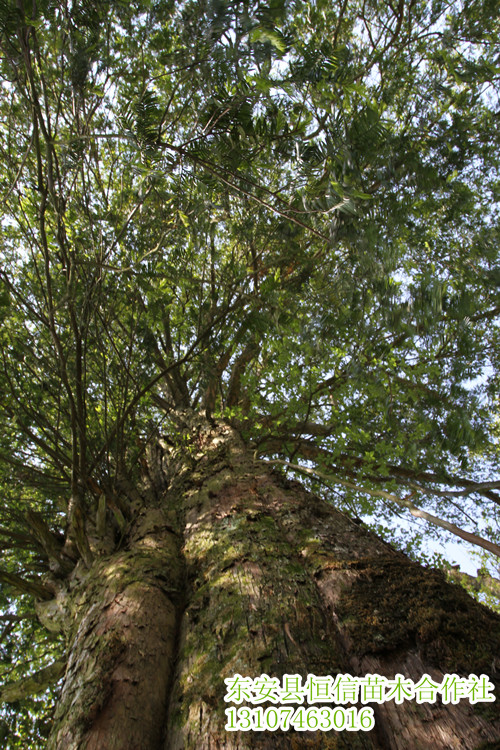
x,y
281,217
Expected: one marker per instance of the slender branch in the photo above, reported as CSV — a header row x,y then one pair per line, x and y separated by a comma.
x,y
19,171
215,172
156,378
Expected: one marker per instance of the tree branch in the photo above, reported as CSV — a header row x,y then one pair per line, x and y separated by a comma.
x,y
405,502
33,684
34,588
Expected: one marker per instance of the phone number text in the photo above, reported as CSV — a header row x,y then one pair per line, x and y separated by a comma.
x,y
324,719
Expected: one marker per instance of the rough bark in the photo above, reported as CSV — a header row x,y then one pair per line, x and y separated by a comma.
x,y
121,621
282,583
265,579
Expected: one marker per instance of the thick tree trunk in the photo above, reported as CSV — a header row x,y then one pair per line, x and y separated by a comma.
x,y
267,579
121,619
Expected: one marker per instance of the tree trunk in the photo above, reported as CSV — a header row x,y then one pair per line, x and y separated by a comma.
x,y
233,570
121,619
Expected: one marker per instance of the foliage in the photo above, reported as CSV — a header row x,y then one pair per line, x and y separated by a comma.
x,y
283,214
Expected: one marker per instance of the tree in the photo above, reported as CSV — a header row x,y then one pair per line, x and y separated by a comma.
x,y
243,242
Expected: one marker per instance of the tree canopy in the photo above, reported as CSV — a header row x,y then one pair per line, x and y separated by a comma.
x,y
282,214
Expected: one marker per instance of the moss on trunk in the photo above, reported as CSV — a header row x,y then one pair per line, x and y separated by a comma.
x,y
121,623
234,570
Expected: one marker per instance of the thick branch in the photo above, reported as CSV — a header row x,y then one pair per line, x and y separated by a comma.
x,y
34,684
247,355
34,588
51,545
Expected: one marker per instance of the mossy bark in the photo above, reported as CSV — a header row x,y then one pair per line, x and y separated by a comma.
x,y
280,582
121,623
239,571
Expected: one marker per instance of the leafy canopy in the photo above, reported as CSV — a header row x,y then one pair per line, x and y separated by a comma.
x,y
283,214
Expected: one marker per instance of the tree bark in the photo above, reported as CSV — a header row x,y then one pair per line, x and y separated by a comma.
x,y
121,623
236,570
